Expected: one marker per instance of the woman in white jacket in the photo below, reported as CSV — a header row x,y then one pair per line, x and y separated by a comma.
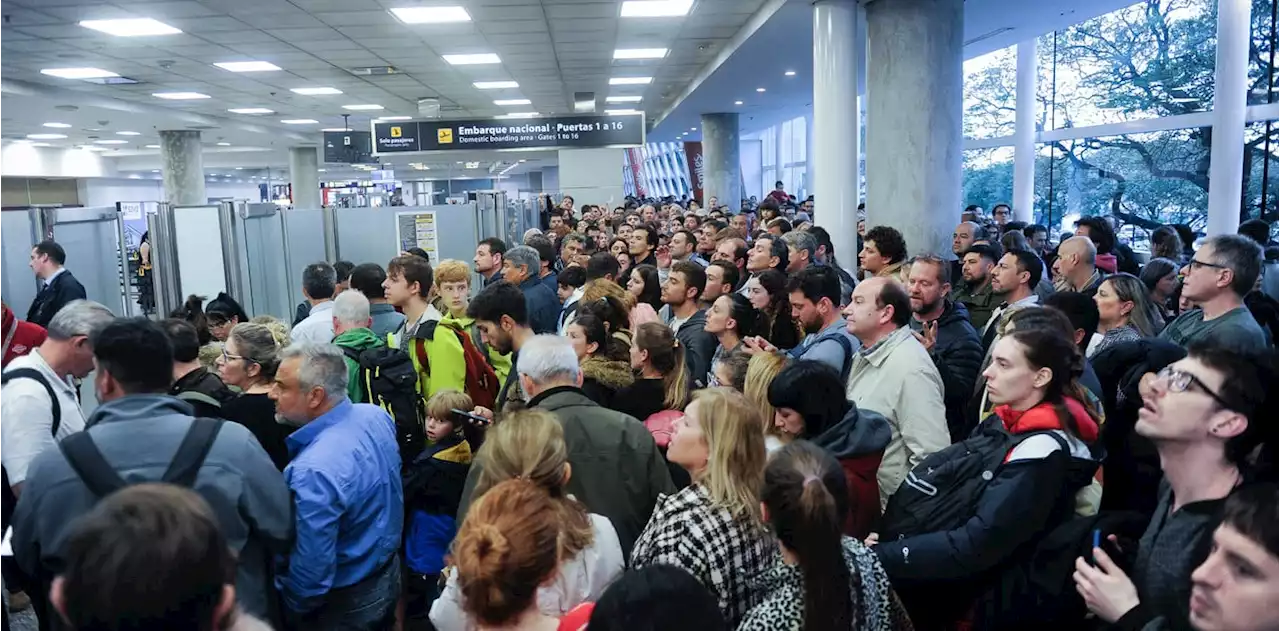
x,y
530,445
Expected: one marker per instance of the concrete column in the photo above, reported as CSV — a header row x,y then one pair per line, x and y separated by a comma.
x,y
182,166
1024,134
914,137
1230,79
721,159
838,56
304,174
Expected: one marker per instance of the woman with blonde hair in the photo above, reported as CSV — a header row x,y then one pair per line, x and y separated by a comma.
x,y
248,362
761,371
1125,312
713,528
529,446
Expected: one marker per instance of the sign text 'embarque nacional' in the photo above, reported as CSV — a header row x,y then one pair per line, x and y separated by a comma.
x,y
574,132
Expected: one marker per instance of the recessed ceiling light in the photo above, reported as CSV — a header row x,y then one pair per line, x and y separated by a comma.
x,y
131,27
759,89
512,102
79,73
685,134
393,118
630,80
519,115
155,170
180,96
315,91
495,85
655,8
224,144
623,99
247,66
471,60
620,112
431,15
299,121
640,53
790,73
693,129
320,170
362,107
46,136
57,125
111,142
523,160
251,110
239,168
336,129
737,102
128,133
153,147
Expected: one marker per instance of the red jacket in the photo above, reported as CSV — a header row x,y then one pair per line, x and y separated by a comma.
x,y
20,336
858,443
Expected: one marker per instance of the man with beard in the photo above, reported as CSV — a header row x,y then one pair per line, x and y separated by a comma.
x,y
943,328
975,292
814,293
503,319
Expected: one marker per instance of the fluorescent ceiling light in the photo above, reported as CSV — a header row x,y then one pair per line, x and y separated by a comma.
x,y
180,96
79,73
46,136
471,60
759,89
247,66
790,73
111,142
362,107
239,168
630,80
512,102
640,53
519,115
128,133
431,15
251,110
393,118
299,121
57,125
315,91
343,129
131,27
495,85
737,102
655,8
620,112
154,147
623,99
224,144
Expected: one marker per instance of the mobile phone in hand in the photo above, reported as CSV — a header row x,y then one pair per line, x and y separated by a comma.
x,y
474,419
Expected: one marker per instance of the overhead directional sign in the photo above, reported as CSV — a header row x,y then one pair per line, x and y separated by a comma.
x,y
551,132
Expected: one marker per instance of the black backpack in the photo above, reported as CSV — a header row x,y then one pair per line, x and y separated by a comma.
x,y
940,493
10,500
389,381
102,479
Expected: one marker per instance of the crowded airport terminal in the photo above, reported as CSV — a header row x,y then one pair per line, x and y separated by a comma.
x,y
640,315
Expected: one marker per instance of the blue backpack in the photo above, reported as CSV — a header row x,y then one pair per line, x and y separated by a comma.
x,y
837,336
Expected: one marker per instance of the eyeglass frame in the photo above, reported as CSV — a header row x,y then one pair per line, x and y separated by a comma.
x,y
228,357
1168,373
1194,262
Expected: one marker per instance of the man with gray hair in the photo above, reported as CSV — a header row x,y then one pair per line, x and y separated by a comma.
x,y
802,249
344,570
39,405
319,284
618,470
351,327
1216,279
520,268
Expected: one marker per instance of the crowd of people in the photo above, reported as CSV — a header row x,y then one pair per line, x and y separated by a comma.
x,y
660,416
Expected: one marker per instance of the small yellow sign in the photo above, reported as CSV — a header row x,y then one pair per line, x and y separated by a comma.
x,y
444,136
395,132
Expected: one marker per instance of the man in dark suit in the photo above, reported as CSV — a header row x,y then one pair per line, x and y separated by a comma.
x,y
57,286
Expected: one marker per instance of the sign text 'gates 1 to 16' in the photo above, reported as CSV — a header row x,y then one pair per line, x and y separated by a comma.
x,y
551,132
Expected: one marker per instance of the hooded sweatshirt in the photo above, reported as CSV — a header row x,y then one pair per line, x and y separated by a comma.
x,y
858,442
1106,262
356,340
501,363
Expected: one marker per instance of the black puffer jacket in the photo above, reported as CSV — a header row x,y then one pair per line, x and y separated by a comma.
x,y
958,355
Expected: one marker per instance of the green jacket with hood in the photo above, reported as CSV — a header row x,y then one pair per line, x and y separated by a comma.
x,y
357,340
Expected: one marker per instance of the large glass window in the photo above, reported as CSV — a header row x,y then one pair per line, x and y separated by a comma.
x,y
988,176
1261,188
1262,53
989,88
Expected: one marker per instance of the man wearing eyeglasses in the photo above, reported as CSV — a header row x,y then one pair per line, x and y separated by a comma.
x,y
1206,415
1222,271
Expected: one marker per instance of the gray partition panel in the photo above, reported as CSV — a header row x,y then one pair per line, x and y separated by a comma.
x,y
266,268
19,286
304,232
91,238
368,235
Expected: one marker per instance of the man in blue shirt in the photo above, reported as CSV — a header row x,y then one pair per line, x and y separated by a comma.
x,y
343,572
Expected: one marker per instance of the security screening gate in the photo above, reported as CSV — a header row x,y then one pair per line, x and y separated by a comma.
x,y
93,240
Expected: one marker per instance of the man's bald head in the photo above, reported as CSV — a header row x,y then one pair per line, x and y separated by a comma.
x,y
1075,260
963,237
1081,246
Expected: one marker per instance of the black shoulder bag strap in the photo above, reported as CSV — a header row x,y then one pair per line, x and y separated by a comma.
x,y
87,461
192,452
36,375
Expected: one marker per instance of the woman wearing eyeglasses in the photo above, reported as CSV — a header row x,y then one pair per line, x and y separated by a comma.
x,y
248,362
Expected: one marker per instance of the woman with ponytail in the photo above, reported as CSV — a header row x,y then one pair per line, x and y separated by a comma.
x,y
823,580
662,380
528,447
731,319
1034,452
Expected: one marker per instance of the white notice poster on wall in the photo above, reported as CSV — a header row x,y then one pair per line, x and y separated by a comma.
x,y
419,230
